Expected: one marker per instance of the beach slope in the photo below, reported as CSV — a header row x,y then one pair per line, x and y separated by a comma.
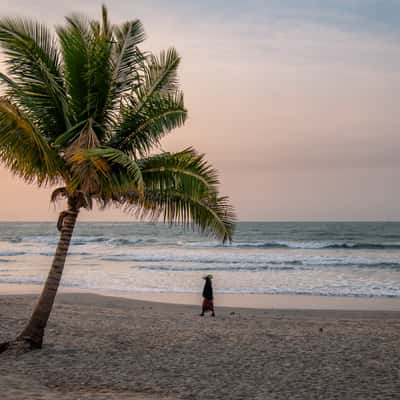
x,y
100,347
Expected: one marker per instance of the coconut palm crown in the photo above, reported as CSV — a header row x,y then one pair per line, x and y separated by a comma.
x,y
85,110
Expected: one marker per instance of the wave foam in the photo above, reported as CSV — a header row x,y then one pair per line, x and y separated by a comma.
x,y
319,245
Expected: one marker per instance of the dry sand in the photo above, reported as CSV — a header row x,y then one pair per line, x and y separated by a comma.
x,y
112,348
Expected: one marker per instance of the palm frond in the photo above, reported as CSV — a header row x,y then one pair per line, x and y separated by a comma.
x,y
121,164
117,181
99,77
24,150
106,28
74,41
86,48
58,193
35,82
186,171
127,58
213,215
138,132
160,77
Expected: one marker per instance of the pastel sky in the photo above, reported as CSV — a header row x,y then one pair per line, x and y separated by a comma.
x,y
296,102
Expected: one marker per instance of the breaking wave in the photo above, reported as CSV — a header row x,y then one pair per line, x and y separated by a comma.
x,y
319,245
259,267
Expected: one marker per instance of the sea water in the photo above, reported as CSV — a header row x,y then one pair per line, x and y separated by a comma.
x,y
324,258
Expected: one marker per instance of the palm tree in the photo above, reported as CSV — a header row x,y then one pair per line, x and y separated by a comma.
x,y
86,110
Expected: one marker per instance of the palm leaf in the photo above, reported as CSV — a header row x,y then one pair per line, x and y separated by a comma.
x,y
127,58
86,48
99,77
186,171
117,160
213,215
160,77
35,82
74,40
137,132
24,150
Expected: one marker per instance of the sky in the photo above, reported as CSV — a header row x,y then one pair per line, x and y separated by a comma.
x,y
295,102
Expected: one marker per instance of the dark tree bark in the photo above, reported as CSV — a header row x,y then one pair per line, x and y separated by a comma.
x,y
34,331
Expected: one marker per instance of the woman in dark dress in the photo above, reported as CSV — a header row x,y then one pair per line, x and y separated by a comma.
x,y
208,298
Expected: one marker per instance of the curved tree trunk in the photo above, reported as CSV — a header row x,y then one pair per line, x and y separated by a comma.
x,y
34,330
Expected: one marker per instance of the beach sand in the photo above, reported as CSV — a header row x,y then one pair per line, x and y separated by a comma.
x,y
100,347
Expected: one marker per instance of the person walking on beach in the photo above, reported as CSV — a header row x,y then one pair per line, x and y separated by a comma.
x,y
208,298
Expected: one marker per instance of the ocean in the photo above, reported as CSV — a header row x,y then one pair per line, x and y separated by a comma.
x,y
313,258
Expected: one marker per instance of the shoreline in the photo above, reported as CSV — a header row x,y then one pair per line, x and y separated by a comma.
x,y
250,301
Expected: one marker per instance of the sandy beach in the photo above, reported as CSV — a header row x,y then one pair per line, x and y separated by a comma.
x,y
100,347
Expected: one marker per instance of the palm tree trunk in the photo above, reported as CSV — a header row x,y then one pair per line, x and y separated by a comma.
x,y
34,330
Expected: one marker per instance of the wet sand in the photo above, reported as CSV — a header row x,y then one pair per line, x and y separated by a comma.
x,y
263,301
101,347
